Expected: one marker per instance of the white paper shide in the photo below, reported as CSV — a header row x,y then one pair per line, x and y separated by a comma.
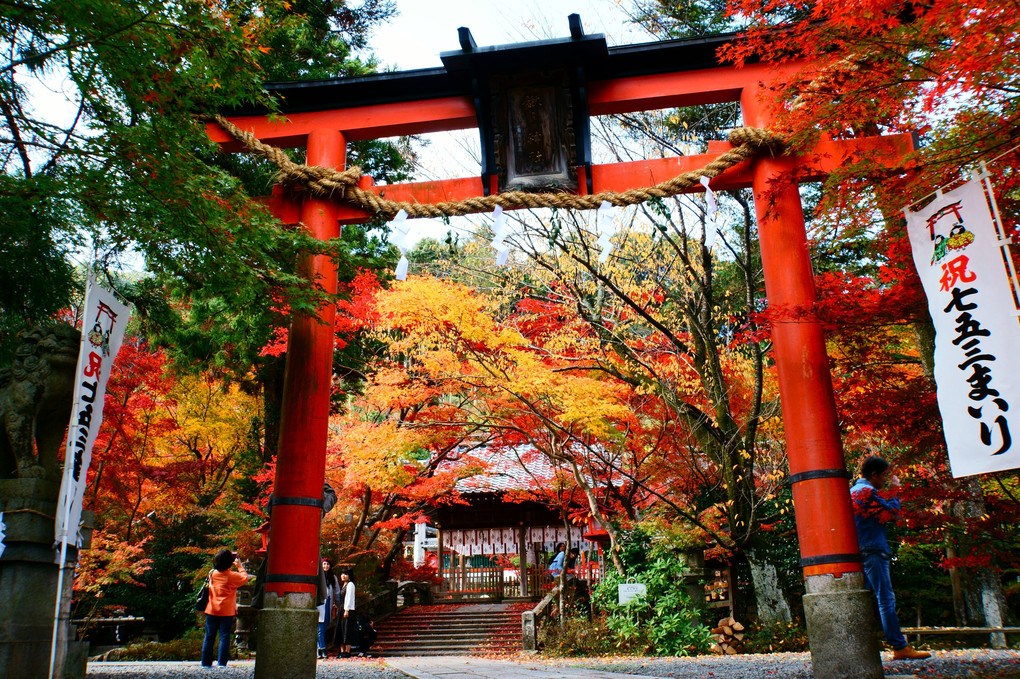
x,y
977,345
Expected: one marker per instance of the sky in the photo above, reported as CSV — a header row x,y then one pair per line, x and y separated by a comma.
x,y
423,29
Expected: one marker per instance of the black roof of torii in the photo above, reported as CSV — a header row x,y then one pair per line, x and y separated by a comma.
x,y
461,67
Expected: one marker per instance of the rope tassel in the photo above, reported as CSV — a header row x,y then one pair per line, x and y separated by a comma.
x,y
501,231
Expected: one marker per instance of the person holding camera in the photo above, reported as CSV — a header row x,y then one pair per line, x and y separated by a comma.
x,y
873,511
222,606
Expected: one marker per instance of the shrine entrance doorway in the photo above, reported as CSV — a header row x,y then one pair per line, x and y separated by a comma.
x,y
496,545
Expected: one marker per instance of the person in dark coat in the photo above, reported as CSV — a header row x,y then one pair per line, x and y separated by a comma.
x,y
367,634
329,608
873,511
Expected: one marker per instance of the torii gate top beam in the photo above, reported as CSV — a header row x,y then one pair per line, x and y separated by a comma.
x,y
453,79
622,79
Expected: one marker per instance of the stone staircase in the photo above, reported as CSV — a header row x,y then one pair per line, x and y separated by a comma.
x,y
452,629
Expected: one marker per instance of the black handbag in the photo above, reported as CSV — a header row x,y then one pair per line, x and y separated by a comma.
x,y
203,598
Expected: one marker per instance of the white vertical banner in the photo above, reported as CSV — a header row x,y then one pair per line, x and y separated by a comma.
x,y
958,257
104,319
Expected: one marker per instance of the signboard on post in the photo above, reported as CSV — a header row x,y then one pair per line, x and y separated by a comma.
x,y
959,258
629,591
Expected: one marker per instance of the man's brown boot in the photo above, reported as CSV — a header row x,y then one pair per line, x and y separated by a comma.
x,y
908,653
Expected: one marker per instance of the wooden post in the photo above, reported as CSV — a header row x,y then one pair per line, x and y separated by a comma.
x,y
287,623
522,552
439,561
304,422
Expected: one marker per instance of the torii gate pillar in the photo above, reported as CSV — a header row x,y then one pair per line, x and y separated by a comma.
x,y
838,608
287,625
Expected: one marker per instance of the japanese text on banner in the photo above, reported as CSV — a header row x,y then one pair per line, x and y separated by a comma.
x,y
103,322
959,260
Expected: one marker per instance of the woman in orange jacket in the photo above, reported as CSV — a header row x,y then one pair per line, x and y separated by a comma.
x,y
222,606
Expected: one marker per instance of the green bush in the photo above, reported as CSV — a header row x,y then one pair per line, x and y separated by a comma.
x,y
578,637
777,637
186,648
180,549
667,620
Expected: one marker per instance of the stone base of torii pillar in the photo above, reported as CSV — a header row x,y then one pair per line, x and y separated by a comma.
x,y
286,636
840,616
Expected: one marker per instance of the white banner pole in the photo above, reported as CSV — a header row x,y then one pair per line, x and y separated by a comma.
x,y
60,595
104,319
1004,240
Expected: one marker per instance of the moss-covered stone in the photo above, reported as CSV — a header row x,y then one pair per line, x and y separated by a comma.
x,y
841,628
287,628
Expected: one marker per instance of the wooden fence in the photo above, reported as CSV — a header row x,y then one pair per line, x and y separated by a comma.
x,y
496,582
465,582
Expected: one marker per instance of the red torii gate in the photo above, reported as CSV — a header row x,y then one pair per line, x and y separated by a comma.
x,y
325,115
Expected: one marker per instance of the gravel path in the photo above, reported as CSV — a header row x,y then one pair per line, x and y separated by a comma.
x,y
972,664
241,669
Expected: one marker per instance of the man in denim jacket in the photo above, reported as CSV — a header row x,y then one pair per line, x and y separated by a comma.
x,y
872,511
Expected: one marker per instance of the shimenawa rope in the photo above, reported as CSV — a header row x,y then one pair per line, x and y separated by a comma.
x,y
342,185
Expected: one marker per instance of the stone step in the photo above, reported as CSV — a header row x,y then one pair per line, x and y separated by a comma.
x,y
454,631
453,639
439,627
401,638
454,614
451,620
414,630
495,638
422,654
451,649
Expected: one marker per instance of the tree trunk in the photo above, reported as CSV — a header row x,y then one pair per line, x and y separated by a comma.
x,y
614,546
563,573
924,336
771,600
993,603
393,553
272,404
956,582
986,603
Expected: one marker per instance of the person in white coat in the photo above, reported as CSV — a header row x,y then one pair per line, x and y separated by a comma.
x,y
349,619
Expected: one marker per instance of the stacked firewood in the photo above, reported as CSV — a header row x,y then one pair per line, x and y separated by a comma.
x,y
728,636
